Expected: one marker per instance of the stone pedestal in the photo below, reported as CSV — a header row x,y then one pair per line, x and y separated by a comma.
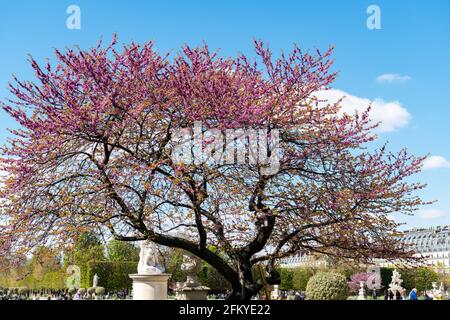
x,y
193,293
150,286
275,292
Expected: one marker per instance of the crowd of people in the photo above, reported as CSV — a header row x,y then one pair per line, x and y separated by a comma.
x,y
124,295
415,295
62,295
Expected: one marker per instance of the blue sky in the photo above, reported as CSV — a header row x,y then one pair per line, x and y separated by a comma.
x,y
411,50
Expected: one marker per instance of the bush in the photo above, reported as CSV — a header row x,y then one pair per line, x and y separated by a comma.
x,y
287,276
301,277
82,291
327,286
100,291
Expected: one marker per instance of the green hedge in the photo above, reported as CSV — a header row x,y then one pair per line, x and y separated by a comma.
x,y
419,277
295,278
327,286
287,276
386,276
113,275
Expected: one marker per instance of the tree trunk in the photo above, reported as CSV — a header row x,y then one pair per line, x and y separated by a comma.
x,y
246,287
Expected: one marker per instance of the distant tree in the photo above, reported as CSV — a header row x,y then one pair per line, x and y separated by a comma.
x,y
420,278
211,278
122,251
88,248
354,283
44,260
286,278
172,258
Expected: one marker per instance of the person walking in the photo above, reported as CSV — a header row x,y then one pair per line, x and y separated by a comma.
x,y
413,294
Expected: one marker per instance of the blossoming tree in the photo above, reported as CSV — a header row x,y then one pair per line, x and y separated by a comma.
x,y
94,148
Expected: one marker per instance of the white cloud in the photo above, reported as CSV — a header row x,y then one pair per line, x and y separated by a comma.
x,y
430,214
435,162
392,78
391,114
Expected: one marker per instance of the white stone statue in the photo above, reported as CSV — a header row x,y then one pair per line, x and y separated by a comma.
x,y
191,265
396,283
149,259
361,293
95,281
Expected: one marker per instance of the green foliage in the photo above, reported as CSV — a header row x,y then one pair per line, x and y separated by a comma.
x,y
87,240
173,260
286,278
42,271
347,270
386,276
301,277
208,276
327,286
122,251
113,275
87,249
419,278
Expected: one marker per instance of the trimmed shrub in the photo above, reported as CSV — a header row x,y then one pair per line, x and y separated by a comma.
x,y
100,291
327,286
91,290
82,291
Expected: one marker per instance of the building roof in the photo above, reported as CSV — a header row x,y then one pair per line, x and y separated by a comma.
x,y
433,239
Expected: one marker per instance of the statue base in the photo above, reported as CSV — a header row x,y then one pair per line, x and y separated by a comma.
x,y
150,286
193,293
